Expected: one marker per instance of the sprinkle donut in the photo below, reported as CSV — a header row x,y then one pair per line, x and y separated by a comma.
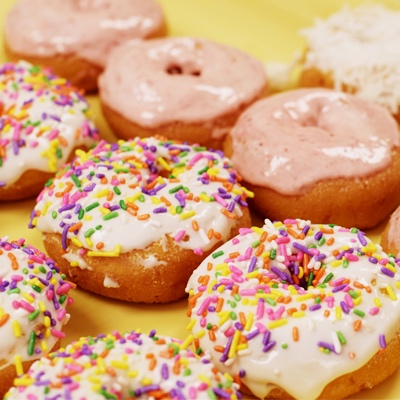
x,y
366,38
299,309
319,154
188,89
33,300
132,220
132,365
75,37
43,119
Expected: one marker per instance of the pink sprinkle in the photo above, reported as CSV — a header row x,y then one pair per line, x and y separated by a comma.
x,y
225,281
351,257
63,289
61,314
203,322
343,230
261,327
25,305
290,221
76,196
36,259
229,332
283,239
260,309
245,231
237,278
49,295
300,256
180,235
16,304
220,200
56,333
192,393
149,154
53,134
330,300
202,288
70,301
73,386
34,144
28,130
17,278
374,310
248,292
128,350
235,270
198,251
65,199
383,261
195,158
235,240
338,281
204,306
202,386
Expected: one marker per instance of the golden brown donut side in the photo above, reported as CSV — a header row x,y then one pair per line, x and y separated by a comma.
x,y
365,203
166,282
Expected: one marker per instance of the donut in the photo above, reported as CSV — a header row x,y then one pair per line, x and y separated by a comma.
x,y
131,220
74,37
319,154
43,119
299,310
122,366
34,296
390,238
355,50
187,89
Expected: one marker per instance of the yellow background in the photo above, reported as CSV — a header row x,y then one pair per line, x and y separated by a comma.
x,y
267,29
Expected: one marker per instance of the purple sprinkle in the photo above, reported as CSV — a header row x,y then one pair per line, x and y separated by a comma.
x,y
253,334
318,235
315,307
387,272
361,238
382,341
326,345
160,210
339,288
252,264
269,346
344,306
373,260
266,337
302,248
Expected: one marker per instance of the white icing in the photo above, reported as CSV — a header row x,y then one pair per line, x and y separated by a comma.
x,y
110,283
303,358
367,40
75,260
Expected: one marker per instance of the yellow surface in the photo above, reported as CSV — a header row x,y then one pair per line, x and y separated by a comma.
x,y
268,30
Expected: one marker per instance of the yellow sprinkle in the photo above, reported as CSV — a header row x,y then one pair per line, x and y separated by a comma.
x,y
46,321
191,324
397,284
390,267
278,224
248,192
42,306
205,198
1,312
164,164
172,210
298,314
93,379
23,381
336,263
119,364
213,171
146,381
28,297
45,208
89,242
16,328
242,346
87,217
155,200
104,210
101,365
178,171
304,297
224,316
200,334
221,288
101,193
53,281
76,241
245,301
44,346
266,254
18,365
338,312
187,342
253,274
301,272
188,214
133,374
218,267
184,361
235,341
160,180
357,301
277,323
249,321
103,253
391,292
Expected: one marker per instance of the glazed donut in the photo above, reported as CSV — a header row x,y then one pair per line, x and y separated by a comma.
x,y
74,37
390,240
187,89
299,310
319,154
133,220
33,300
366,38
43,119
132,365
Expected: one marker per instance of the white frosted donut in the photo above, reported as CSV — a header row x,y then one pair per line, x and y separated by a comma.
x,y
131,220
33,300
319,154
299,309
189,89
132,365
43,120
76,36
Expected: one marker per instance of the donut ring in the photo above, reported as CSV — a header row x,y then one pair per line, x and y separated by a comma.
x,y
187,89
390,237
293,300
43,119
33,300
319,154
119,227
74,37
125,366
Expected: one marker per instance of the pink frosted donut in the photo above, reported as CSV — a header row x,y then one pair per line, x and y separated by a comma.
x,y
74,37
319,154
187,89
390,238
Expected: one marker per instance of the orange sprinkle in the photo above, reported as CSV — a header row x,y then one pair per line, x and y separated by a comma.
x,y
352,355
196,343
319,275
62,141
131,211
219,349
209,266
196,199
330,241
234,255
160,341
176,368
153,363
263,237
235,290
157,394
217,235
290,311
110,371
4,319
295,333
211,335
280,299
190,196
287,300
151,184
292,232
195,225
75,227
272,237
368,289
358,285
165,201
303,307
99,245
210,233
260,250
14,263
327,313
104,353
205,280
110,195
357,325
220,303
335,252
133,206
242,318
296,280
104,180
228,213
142,217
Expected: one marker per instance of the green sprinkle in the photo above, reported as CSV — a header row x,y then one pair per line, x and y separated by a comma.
x,y
49,182
36,288
217,254
318,300
183,154
310,279
312,246
187,371
33,315
89,233
178,165
111,215
175,189
341,338
31,343
62,298
118,170
81,213
233,304
116,190
41,269
59,153
359,313
209,326
270,301
354,230
15,290
91,206
272,254
237,297
345,263
321,241
122,204
327,351
141,198
205,169
353,294
328,278
186,189
107,395
178,209
255,244
98,227
233,316
275,286
76,180
199,351
198,148
285,346
54,214
211,394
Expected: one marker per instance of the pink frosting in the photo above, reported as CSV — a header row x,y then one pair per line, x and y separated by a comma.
x,y
87,28
393,232
290,141
190,80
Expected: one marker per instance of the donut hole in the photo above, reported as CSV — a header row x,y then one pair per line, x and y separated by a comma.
x,y
175,69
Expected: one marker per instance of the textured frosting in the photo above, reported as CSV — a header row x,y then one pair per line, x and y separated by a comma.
x,y
43,118
117,198
33,300
189,80
289,301
367,39
87,28
290,141
118,366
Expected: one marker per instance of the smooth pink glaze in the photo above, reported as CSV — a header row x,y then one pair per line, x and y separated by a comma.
x,y
393,232
290,141
87,28
215,80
